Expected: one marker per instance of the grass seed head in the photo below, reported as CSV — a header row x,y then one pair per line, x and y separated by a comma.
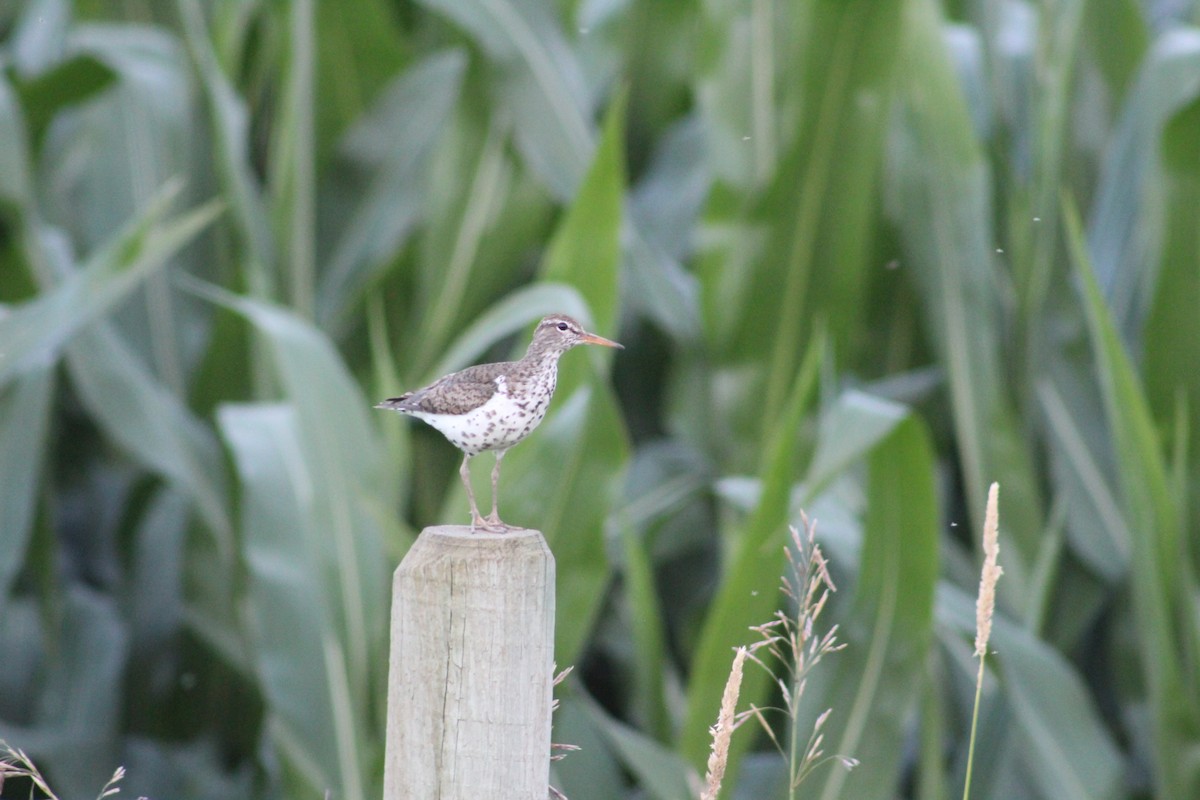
x,y
985,606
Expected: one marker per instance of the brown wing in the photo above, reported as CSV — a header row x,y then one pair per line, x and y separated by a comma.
x,y
456,393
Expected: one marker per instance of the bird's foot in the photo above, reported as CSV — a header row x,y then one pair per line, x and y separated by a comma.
x,y
494,524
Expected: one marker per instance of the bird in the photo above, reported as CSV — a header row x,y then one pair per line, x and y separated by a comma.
x,y
495,406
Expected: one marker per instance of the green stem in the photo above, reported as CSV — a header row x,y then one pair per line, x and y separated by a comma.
x,y
974,723
793,771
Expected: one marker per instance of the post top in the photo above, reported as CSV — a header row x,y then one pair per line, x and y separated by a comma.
x,y
460,542
467,532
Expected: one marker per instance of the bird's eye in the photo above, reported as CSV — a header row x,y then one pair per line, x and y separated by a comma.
x,y
562,326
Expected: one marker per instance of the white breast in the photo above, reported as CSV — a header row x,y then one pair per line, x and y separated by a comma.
x,y
498,424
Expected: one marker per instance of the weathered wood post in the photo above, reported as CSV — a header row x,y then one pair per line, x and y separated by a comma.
x,y
470,683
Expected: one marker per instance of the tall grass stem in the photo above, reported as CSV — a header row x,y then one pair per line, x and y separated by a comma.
x,y
984,609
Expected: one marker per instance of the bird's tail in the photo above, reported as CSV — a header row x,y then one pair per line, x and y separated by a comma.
x,y
395,403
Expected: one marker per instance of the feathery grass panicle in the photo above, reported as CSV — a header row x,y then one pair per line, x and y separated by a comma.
x,y
14,763
722,732
111,787
794,644
559,678
562,749
985,607
986,604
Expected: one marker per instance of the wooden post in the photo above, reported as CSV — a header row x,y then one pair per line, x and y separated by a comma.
x,y
469,686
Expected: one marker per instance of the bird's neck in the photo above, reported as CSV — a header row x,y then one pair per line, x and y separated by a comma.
x,y
543,357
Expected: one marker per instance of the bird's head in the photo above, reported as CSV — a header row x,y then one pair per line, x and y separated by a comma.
x,y
558,333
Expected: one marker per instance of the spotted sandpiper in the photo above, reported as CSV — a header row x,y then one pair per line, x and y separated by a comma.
x,y
494,406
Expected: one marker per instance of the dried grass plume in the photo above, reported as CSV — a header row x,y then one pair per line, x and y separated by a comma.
x,y
986,604
722,732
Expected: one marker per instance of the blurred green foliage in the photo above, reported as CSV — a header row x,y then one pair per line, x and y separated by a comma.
x,y
866,257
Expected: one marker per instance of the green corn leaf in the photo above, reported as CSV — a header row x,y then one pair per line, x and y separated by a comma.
x,y
15,185
874,684
130,403
139,124
293,169
301,645
69,82
357,54
151,423
660,772
509,315
1054,722
649,635
24,424
1172,330
1097,528
38,329
1125,209
742,599
389,147
155,590
586,249
939,189
539,77
1159,590
1117,58
467,252
345,498
599,776
664,208
896,447
815,192
230,123
76,719
567,474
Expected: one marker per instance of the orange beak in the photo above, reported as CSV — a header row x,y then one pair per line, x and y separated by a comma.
x,y
591,338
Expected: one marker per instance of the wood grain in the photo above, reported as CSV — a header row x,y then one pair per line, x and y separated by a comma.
x,y
470,681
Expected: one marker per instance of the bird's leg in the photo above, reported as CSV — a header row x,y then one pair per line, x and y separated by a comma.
x,y
493,519
477,520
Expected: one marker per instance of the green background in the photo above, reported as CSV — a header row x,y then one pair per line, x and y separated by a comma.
x,y
866,257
